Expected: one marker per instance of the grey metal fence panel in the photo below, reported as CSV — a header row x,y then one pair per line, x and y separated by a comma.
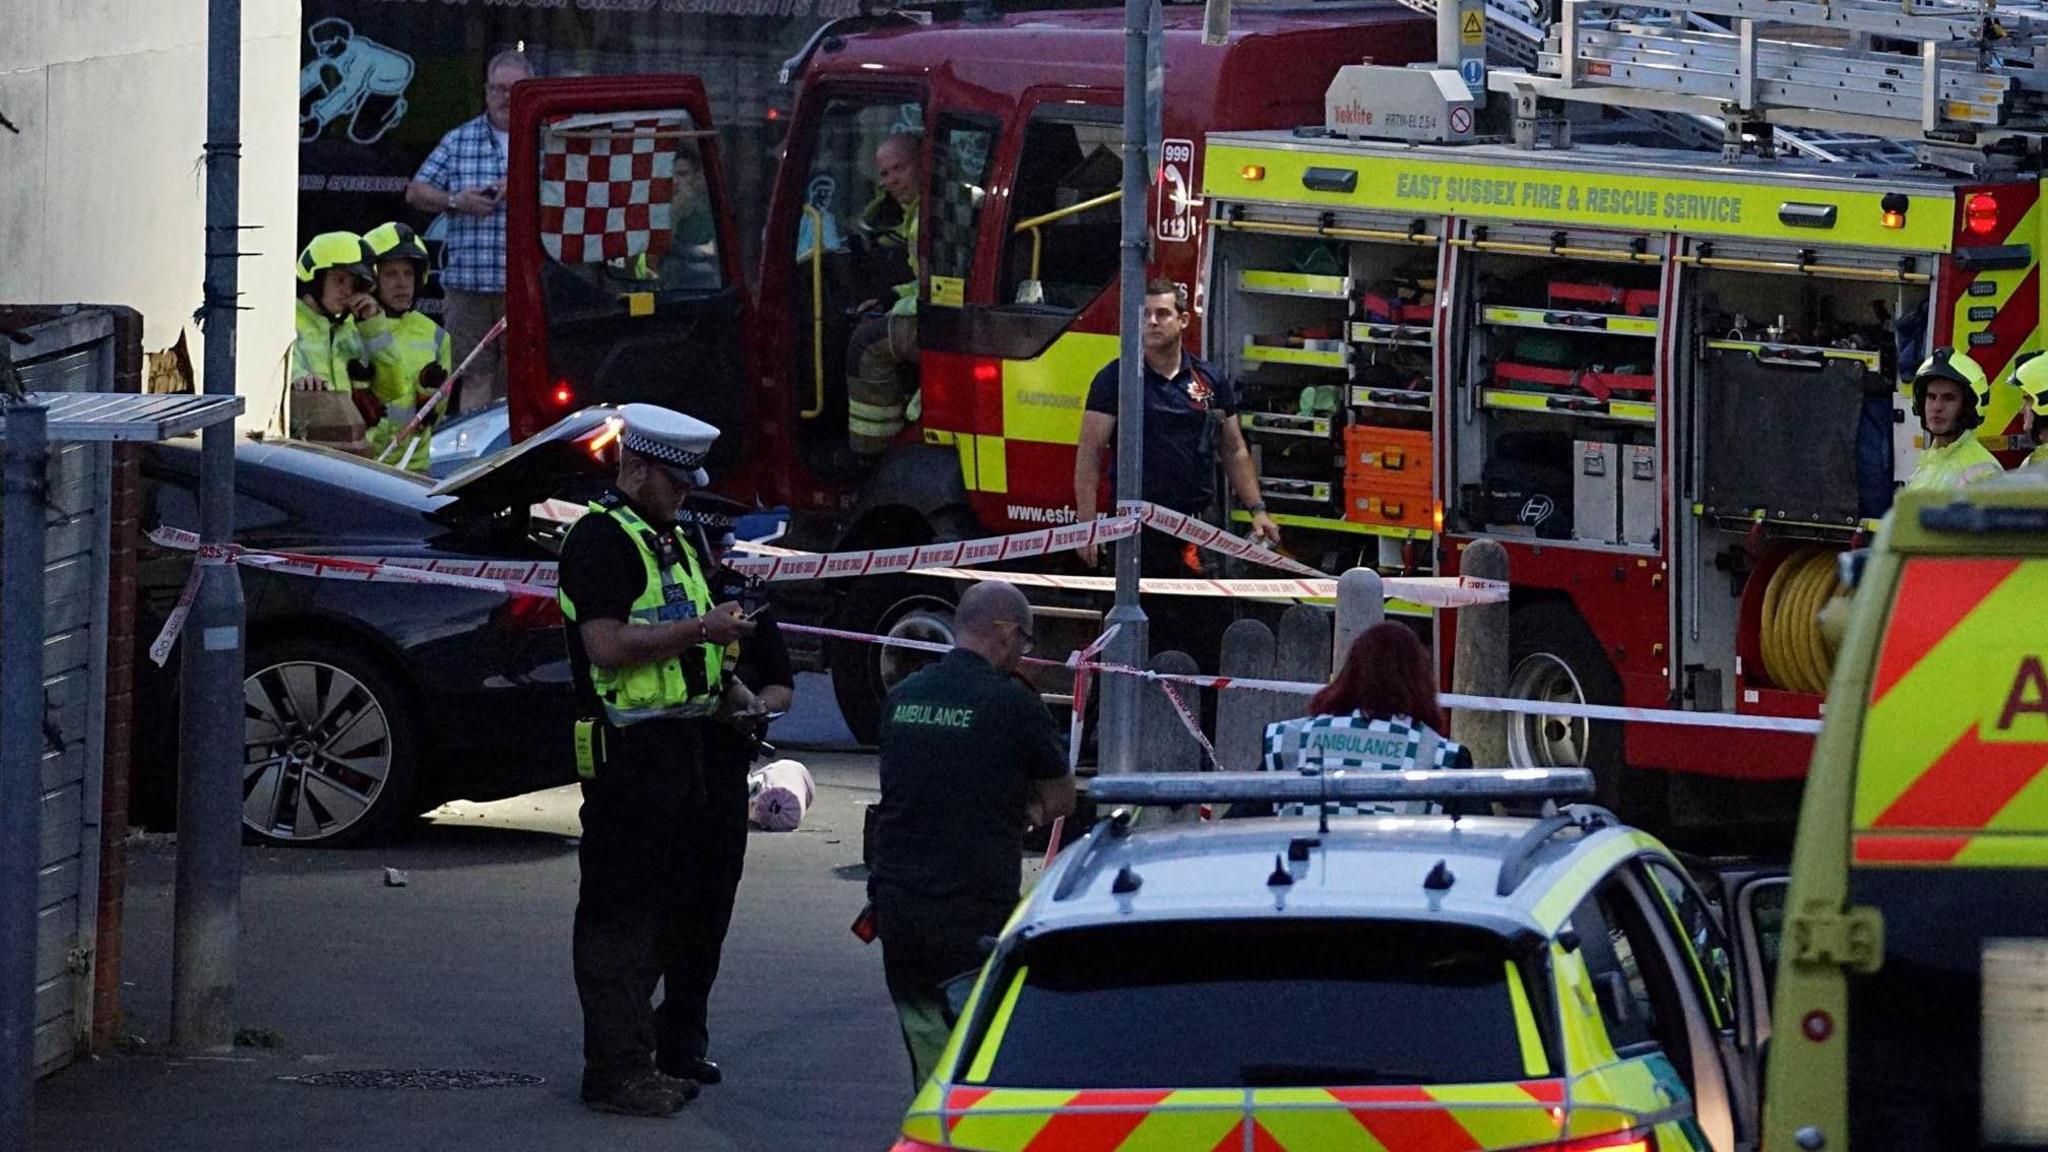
x,y
74,683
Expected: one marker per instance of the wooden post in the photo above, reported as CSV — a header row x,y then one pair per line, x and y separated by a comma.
x,y
1479,665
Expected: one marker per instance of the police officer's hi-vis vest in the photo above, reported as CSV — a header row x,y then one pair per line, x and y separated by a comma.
x,y
680,687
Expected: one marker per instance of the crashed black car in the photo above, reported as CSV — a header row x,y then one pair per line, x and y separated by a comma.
x,y
367,703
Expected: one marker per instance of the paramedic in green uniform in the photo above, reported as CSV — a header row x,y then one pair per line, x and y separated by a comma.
x,y
969,759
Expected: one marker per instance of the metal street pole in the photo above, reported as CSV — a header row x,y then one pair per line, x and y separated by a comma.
x,y
1119,744
21,757
209,886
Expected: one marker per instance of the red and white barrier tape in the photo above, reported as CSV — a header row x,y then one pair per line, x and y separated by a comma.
x,y
513,578
210,556
1081,683
964,553
1432,591
1203,534
1452,700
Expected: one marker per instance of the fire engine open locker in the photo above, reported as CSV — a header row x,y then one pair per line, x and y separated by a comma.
x,y
1670,386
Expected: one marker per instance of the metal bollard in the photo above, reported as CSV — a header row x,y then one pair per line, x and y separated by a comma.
x,y
1479,666
1361,603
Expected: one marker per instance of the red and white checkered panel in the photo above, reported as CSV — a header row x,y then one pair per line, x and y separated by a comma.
x,y
605,189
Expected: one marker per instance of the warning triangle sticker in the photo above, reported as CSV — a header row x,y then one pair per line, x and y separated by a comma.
x,y
1473,26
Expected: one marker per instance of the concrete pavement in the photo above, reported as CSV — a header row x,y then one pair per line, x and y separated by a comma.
x,y
467,968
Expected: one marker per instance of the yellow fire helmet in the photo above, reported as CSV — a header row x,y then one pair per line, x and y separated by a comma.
x,y
1951,364
335,250
395,241
2031,378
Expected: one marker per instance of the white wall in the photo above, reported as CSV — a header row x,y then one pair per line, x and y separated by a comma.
x,y
102,194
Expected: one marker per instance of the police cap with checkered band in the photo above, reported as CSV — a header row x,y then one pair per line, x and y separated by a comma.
x,y
669,438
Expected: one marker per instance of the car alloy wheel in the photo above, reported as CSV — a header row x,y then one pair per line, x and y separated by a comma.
x,y
318,751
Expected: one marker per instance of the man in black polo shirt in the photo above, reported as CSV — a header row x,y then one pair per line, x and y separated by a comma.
x,y
1190,424
969,758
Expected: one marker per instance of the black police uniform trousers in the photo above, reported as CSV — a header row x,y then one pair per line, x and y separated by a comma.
x,y
715,846
632,909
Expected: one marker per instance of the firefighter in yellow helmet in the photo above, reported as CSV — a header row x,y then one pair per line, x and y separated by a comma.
x,y
2031,377
410,352
328,354
1950,393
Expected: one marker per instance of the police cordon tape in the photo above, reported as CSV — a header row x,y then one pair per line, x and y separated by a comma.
x,y
537,578
514,578
1311,584
773,565
1452,700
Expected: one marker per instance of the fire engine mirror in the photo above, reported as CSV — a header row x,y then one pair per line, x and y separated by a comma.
x,y
1330,179
1795,215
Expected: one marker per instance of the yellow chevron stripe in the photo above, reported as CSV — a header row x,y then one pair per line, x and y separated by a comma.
x,y
1329,1129
981,1126
2005,402
2028,851
1213,1114
1514,1119
1961,683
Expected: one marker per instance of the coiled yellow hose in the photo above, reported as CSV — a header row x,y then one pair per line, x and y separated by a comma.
x,y
1796,656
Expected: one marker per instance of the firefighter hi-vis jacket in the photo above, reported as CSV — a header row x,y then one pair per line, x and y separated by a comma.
x,y
324,349
400,348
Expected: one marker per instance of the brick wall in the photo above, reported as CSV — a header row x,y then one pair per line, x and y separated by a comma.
x,y
122,529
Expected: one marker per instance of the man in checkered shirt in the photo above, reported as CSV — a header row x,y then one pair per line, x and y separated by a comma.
x,y
464,179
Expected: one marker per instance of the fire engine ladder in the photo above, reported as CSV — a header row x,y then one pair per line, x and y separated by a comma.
x,y
1516,33
1954,77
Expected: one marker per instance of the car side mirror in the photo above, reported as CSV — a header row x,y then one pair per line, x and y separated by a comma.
x,y
1615,1001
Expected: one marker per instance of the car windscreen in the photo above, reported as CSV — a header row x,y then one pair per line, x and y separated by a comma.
x,y
1250,1004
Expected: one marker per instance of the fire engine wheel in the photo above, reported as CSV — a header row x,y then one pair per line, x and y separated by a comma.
x,y
328,746
862,674
1553,658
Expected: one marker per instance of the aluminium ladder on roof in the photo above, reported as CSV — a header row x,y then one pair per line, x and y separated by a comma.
x,y
1945,72
1516,33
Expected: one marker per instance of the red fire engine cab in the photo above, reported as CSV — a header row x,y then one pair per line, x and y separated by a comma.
x,y
1019,121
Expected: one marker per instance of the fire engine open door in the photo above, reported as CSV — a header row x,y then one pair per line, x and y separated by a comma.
x,y
622,274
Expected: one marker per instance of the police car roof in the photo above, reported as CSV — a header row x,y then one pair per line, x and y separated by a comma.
x,y
1364,866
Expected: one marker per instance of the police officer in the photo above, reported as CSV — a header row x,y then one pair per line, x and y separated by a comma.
x,y
647,650
1950,393
715,828
969,758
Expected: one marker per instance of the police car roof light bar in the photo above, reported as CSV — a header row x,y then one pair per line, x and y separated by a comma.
x,y
1478,784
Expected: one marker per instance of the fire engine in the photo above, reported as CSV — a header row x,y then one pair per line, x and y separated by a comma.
x,y
1019,118
1673,385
